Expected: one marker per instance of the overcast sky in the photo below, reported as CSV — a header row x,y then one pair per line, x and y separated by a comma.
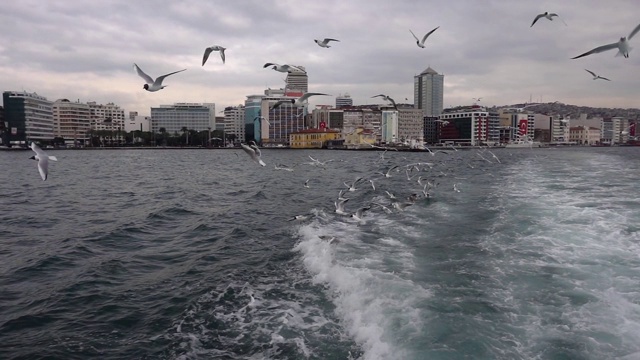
x,y
86,49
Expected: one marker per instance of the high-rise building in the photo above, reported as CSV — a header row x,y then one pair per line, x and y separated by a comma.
x,y
193,116
410,126
344,101
297,80
470,126
428,90
252,111
71,121
28,117
234,121
108,117
389,127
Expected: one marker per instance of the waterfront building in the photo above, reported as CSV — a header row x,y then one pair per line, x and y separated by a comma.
x,y
360,138
344,101
109,117
410,125
234,122
193,116
428,92
3,126
614,131
252,106
282,121
472,125
430,128
352,119
559,129
72,122
312,138
389,127
137,123
584,135
28,117
297,81
326,116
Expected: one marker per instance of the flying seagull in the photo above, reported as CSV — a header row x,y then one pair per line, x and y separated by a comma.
x,y
622,45
253,151
152,85
596,77
43,160
208,51
387,98
546,15
325,43
421,42
296,102
283,68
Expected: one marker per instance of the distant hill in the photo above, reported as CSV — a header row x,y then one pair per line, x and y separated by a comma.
x,y
575,111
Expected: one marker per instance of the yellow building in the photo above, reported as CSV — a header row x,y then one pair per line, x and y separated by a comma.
x,y
312,138
360,138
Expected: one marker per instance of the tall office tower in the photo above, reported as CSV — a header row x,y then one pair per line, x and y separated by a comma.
x,y
428,89
297,81
344,101
28,116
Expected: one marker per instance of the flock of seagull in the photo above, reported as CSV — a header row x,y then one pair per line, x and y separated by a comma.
x,y
153,85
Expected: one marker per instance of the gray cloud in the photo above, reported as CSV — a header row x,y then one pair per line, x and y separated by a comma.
x,y
70,49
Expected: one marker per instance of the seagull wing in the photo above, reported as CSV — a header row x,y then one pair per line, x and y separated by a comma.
x,y
599,49
269,64
207,51
590,72
393,102
558,16
277,104
635,31
384,96
603,78
536,19
326,40
429,33
308,95
38,151
414,35
222,54
43,166
141,73
158,81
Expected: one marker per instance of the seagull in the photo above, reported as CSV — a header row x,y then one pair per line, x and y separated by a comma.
x,y
254,152
340,207
386,209
352,187
208,51
455,188
494,156
325,43
421,42
391,196
387,98
296,102
358,213
340,197
387,174
284,68
306,183
443,122
546,15
622,45
43,160
596,77
261,119
372,185
152,85
282,167
299,217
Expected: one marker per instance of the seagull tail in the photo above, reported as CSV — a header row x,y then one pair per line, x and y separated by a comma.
x,y
262,163
53,158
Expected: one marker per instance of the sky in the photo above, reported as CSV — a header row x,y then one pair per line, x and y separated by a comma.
x,y
85,50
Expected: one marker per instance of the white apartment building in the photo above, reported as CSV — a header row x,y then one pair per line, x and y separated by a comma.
x,y
389,127
410,125
109,117
193,116
71,121
234,122
614,131
138,123
584,135
29,117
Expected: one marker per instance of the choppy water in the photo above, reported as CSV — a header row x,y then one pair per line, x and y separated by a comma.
x,y
190,254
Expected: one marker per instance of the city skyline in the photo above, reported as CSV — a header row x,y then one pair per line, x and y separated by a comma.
x,y
485,50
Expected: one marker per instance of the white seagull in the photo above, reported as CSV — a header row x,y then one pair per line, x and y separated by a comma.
x,y
253,151
43,160
306,183
387,98
358,214
340,207
283,68
352,187
208,51
622,45
596,77
325,43
546,15
299,102
421,42
153,85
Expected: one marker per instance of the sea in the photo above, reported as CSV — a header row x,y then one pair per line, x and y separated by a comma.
x,y
197,254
